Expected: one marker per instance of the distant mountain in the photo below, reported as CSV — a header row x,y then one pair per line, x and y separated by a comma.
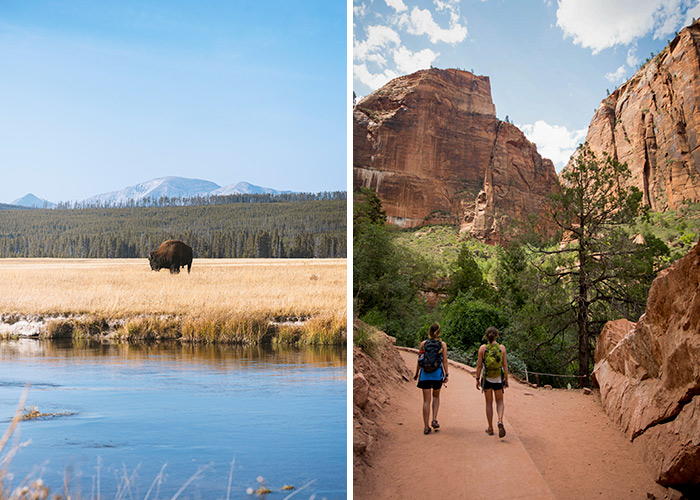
x,y
30,200
245,188
171,187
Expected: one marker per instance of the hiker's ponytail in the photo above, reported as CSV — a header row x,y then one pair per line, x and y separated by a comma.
x,y
491,333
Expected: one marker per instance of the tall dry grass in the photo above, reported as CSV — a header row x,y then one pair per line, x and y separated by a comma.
x,y
222,299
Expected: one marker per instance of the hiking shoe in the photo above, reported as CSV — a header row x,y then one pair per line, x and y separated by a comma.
x,y
501,430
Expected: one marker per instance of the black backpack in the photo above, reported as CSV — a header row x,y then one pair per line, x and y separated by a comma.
x,y
431,357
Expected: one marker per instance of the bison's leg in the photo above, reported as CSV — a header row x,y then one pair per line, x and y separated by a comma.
x,y
174,269
189,266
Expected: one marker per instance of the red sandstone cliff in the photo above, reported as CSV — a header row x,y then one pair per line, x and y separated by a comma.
x,y
430,145
652,123
649,374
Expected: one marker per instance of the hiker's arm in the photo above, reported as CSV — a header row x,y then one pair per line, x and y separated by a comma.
x,y
418,364
479,366
444,361
505,366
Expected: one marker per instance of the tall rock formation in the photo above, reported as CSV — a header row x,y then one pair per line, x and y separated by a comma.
x,y
430,145
652,124
649,374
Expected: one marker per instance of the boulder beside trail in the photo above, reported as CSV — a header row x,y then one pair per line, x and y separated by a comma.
x,y
649,374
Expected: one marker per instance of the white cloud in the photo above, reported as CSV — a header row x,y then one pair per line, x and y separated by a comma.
x,y
553,141
421,22
379,38
632,59
600,24
618,75
382,54
373,80
397,5
670,18
408,61
359,11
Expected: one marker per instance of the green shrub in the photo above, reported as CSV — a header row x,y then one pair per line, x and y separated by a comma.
x,y
466,320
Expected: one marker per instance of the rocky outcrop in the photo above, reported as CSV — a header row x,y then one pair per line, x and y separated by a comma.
x,y
652,124
373,376
649,374
430,145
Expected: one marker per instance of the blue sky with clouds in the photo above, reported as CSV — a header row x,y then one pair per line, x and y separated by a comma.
x,y
96,96
550,62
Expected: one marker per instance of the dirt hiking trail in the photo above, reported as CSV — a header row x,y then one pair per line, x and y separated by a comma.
x,y
559,445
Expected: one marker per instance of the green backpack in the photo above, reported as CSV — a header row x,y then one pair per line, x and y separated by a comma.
x,y
493,361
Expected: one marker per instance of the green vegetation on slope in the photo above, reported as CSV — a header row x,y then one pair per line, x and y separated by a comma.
x,y
525,292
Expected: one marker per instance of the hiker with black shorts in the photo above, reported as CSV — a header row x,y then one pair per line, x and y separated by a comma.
x,y
432,368
492,377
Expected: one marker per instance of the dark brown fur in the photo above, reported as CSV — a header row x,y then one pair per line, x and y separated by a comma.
x,y
173,255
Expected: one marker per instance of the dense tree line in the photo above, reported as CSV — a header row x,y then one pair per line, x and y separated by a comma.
x,y
196,201
298,229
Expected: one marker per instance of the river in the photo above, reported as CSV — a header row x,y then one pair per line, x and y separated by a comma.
x,y
137,421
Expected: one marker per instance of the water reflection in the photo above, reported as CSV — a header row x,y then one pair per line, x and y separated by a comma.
x,y
279,411
220,356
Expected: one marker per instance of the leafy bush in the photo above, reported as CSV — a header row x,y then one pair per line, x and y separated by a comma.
x,y
466,320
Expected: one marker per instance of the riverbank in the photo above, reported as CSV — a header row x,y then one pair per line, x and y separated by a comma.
x,y
234,329
245,301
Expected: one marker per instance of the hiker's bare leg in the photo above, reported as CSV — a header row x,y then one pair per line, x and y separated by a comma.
x,y
499,404
488,394
436,402
426,408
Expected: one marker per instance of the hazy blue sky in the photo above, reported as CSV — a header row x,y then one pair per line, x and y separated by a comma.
x,y
550,62
98,95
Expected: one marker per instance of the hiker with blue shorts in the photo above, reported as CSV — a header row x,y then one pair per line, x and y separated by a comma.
x,y
492,377
432,369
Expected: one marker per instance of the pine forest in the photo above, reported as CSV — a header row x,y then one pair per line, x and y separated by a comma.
x,y
268,227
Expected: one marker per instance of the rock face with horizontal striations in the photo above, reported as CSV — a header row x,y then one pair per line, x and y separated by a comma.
x,y
430,145
649,374
652,123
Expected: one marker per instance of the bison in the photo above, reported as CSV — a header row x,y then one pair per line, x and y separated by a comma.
x,y
173,255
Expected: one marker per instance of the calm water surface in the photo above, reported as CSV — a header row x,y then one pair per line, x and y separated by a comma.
x,y
154,417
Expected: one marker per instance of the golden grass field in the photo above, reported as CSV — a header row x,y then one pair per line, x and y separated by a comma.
x,y
217,292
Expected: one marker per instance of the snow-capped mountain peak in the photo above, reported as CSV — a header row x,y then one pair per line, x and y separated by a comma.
x,y
171,187
30,200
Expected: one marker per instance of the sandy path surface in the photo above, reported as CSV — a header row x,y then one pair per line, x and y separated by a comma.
x,y
559,445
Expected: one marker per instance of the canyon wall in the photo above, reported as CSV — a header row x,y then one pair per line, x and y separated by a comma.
x,y
430,145
652,123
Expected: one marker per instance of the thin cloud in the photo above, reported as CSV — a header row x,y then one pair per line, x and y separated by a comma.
x,y
618,75
632,59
